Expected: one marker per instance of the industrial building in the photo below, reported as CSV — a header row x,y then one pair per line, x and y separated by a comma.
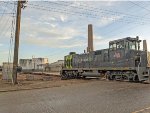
x,y
36,64
26,64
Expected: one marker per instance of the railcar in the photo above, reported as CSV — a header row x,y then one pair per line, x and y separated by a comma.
x,y
123,60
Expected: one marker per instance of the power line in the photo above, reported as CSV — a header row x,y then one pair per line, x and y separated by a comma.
x,y
83,8
5,24
90,8
91,15
108,11
3,12
140,6
120,27
12,36
48,9
4,27
93,12
39,7
6,13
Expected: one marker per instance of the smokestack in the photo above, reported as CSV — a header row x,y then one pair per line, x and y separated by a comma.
x,y
144,45
90,38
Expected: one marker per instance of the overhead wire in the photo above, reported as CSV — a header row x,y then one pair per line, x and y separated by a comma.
x,y
3,12
39,7
69,13
124,26
6,13
12,35
91,15
106,11
4,26
134,26
82,8
140,6
65,11
11,42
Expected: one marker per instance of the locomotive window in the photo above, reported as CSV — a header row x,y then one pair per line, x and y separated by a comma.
x,y
132,45
120,45
113,46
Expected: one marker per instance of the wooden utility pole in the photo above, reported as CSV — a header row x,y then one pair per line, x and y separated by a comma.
x,y
16,46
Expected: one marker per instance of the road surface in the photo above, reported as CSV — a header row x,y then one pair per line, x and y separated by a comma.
x,y
92,97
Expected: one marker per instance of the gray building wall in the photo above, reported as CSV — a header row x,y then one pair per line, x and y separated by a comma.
x,y
33,64
26,64
7,70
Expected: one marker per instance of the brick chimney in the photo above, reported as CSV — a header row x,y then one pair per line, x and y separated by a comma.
x,y
144,45
90,38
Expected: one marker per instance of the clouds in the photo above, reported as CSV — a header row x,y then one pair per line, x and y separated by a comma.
x,y
58,38
63,25
59,29
50,31
62,18
1,44
106,20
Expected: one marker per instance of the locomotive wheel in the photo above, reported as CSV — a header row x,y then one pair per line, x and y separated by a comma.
x,y
78,76
108,75
136,78
131,80
64,76
84,77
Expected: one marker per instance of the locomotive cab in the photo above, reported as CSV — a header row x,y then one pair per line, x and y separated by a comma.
x,y
125,43
126,49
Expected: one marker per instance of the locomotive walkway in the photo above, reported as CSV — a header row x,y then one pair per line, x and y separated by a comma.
x,y
90,97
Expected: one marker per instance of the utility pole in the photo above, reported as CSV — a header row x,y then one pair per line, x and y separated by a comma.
x,y
16,46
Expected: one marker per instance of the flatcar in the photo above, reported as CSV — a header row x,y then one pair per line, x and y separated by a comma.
x,y
123,60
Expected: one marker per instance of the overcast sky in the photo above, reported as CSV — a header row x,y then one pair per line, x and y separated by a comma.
x,y
53,29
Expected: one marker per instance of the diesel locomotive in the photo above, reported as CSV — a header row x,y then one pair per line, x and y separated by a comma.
x,y
123,60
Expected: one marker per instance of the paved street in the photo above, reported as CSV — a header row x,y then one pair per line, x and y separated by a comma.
x,y
92,97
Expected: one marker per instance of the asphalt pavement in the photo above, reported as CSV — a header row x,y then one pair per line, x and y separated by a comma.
x,y
92,97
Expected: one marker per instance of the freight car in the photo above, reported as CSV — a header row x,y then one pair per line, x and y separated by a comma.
x,y
123,60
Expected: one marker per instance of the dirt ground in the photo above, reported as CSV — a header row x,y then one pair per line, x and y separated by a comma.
x,y
0,75
36,81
